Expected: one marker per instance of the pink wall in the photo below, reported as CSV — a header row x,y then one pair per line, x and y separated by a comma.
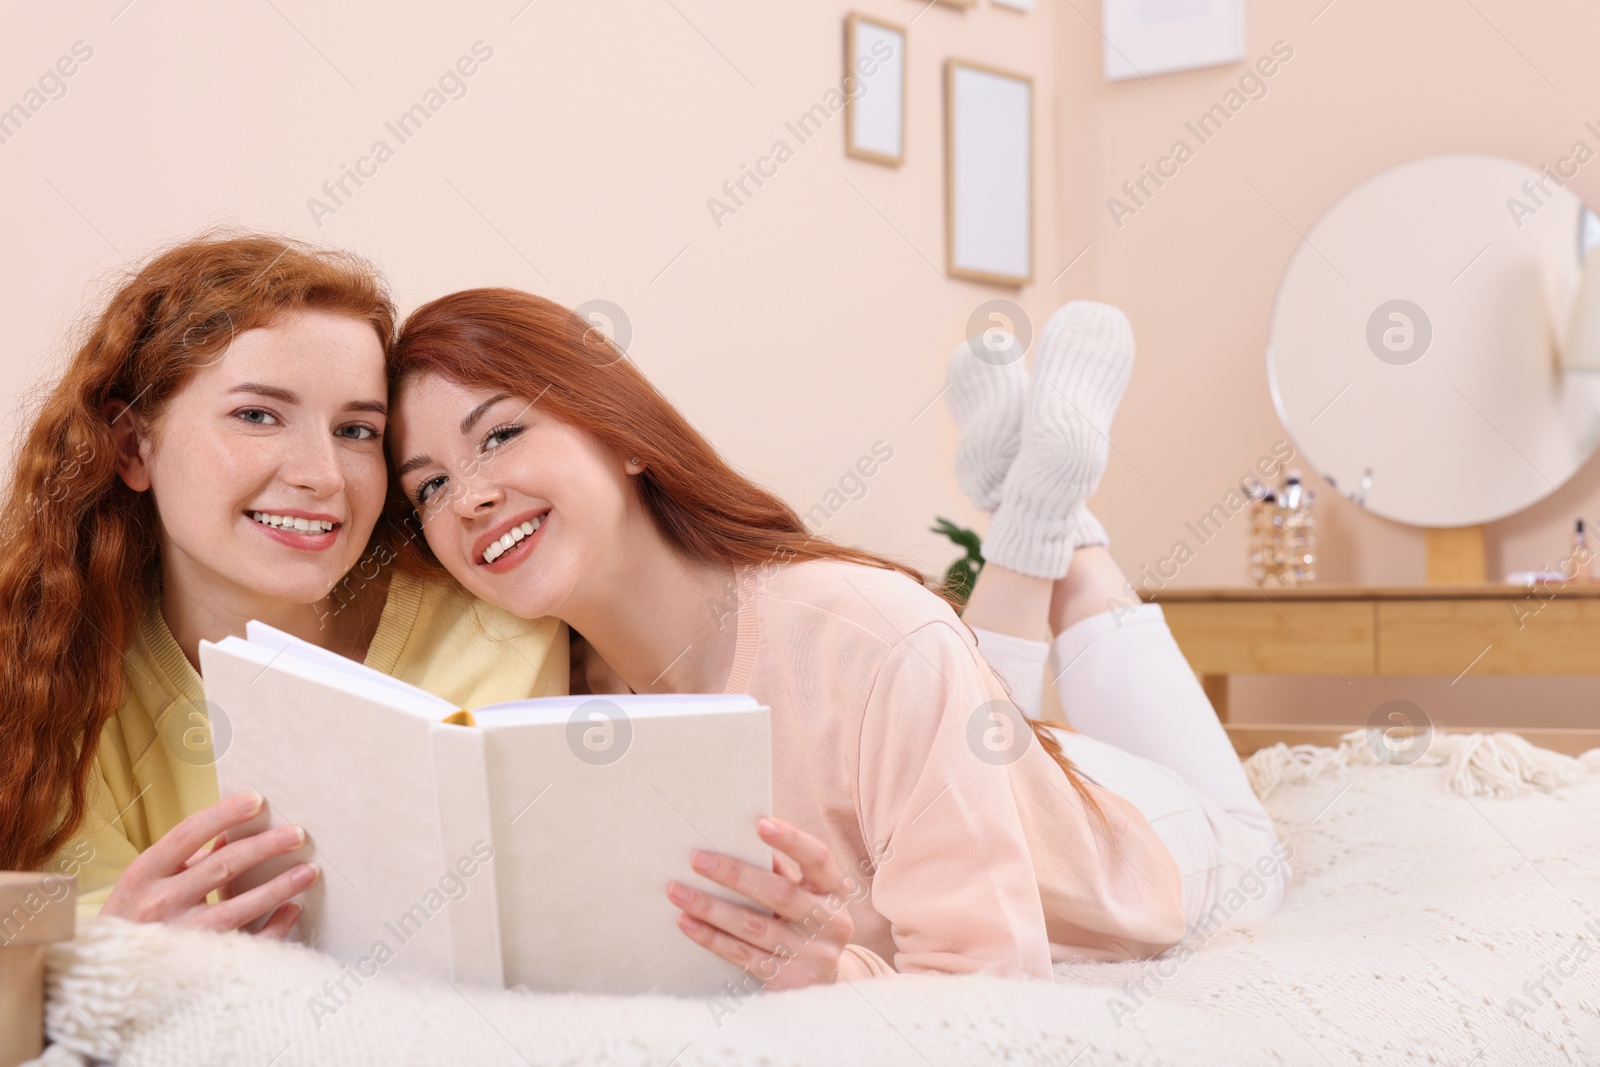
x,y
809,325
1370,84
815,321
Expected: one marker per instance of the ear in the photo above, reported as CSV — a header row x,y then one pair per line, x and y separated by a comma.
x,y
632,466
128,436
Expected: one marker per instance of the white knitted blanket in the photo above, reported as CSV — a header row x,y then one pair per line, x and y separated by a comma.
x,y
1443,912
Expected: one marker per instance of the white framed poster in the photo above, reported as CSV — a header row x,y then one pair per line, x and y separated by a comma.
x,y
1144,37
988,174
875,117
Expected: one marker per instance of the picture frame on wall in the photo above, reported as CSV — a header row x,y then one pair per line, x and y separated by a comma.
x,y
989,154
1144,37
875,117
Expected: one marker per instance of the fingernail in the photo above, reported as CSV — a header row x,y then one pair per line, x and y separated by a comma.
x,y
704,862
766,825
249,803
304,876
678,893
293,836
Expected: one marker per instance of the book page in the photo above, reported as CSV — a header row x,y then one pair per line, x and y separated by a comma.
x,y
595,814
287,647
340,759
536,710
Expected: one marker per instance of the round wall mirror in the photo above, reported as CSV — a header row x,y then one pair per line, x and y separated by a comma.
x,y
1435,344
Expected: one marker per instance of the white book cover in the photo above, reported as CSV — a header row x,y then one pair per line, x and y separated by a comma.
x,y
522,844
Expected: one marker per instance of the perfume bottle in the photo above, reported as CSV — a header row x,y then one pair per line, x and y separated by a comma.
x,y
1581,559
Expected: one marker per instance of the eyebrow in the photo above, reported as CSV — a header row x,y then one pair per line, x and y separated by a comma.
x,y
274,392
466,427
477,413
412,464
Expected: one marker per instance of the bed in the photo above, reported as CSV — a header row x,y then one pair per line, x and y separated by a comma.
x,y
1446,911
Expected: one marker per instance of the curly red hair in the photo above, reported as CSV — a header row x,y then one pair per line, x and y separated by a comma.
x,y
82,566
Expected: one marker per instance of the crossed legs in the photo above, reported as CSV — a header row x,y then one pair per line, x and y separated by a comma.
x,y
1141,724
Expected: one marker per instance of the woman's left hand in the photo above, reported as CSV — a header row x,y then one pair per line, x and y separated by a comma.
x,y
801,942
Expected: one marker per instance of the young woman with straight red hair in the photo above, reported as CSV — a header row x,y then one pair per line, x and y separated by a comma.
x,y
550,478
212,454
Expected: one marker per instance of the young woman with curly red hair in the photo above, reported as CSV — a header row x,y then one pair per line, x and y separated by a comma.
x,y
212,454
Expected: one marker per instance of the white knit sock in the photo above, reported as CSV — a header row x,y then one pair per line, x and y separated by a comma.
x,y
986,397
1085,357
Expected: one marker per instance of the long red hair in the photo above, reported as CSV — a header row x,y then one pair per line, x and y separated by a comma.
x,y
79,558
524,345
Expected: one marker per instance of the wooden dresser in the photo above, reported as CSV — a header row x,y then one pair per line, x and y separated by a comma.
x,y
1368,630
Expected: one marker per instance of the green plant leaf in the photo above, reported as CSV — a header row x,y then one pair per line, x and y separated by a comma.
x,y
965,538
963,573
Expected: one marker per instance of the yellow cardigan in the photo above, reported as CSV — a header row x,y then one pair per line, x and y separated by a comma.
x,y
154,765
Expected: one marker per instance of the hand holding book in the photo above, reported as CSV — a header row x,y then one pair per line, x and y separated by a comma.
x,y
170,881
799,944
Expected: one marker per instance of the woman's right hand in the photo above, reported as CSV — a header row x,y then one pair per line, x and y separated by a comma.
x,y
169,881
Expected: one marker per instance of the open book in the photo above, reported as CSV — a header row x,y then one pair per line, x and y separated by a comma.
x,y
523,844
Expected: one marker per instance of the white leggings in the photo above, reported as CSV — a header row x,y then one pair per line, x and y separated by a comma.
x,y
1148,733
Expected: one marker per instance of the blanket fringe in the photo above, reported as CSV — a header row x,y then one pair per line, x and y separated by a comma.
x,y
1496,765
109,976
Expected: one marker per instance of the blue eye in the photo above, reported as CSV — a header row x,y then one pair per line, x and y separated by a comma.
x,y
357,432
257,417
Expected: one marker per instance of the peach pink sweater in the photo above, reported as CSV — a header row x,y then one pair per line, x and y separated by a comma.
x,y
965,856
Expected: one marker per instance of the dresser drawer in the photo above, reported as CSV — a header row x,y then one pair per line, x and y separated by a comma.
x,y
1286,637
1525,635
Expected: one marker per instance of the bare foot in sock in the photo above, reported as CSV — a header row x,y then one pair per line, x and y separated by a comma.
x,y
1085,357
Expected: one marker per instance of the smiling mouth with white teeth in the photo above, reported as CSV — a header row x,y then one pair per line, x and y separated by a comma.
x,y
292,524
510,538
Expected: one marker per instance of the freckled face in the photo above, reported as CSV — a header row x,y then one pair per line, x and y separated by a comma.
x,y
267,467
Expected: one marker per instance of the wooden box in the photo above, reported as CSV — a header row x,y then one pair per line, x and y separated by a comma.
x,y
35,909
